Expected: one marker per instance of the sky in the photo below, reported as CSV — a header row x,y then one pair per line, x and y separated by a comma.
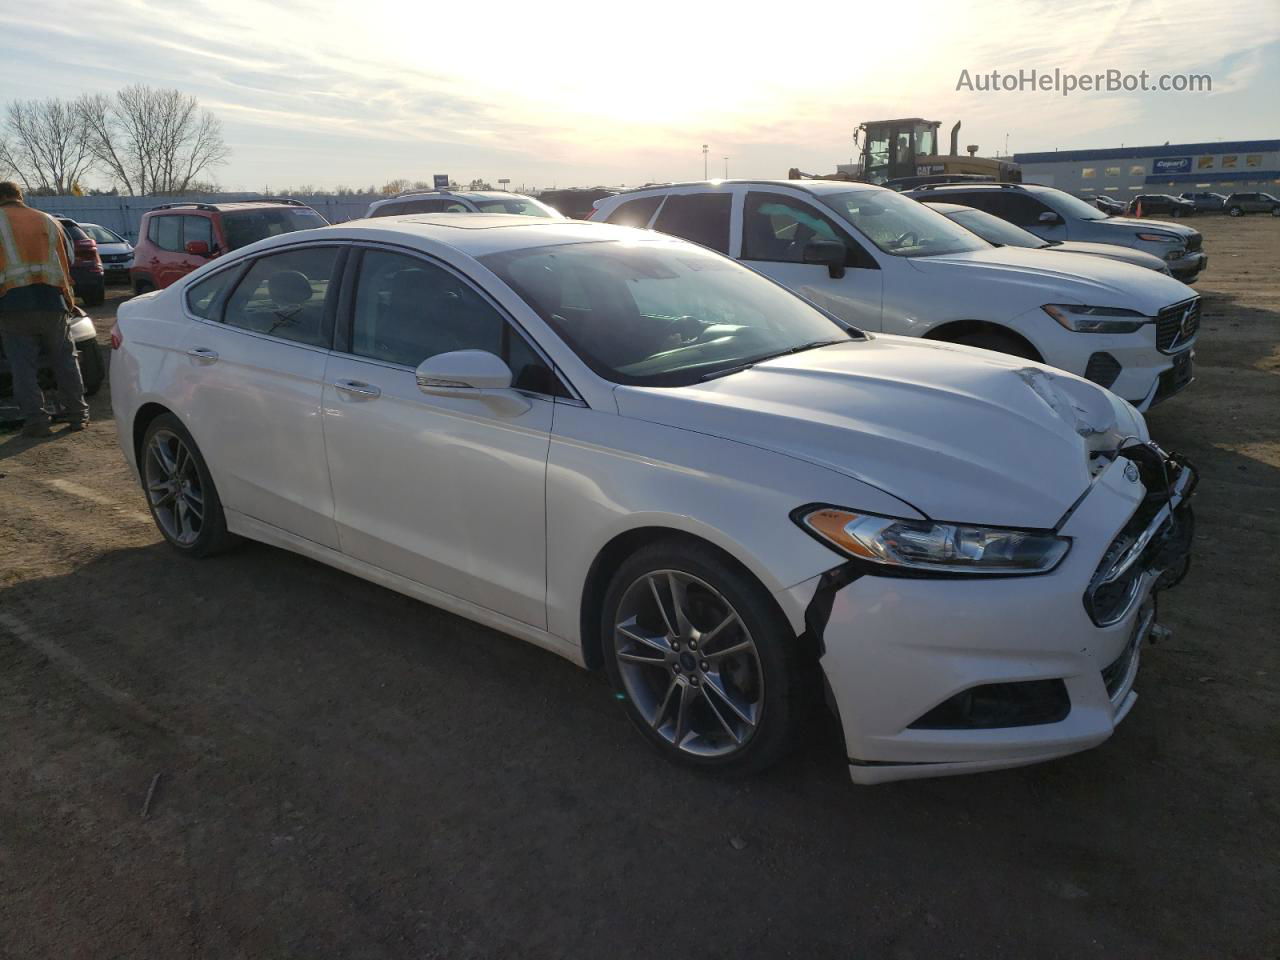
x,y
578,94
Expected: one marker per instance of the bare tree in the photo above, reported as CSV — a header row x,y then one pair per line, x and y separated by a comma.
x,y
151,140
46,144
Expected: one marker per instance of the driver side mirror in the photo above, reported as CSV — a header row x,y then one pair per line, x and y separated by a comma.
x,y
471,374
197,248
1050,217
830,253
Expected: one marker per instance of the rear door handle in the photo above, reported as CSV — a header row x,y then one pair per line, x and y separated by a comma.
x,y
203,354
357,389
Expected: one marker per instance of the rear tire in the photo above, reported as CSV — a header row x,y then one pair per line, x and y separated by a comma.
x,y
1234,211
92,370
715,682
997,341
180,493
142,286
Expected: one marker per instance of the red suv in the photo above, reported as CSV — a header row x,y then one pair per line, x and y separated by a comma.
x,y
175,238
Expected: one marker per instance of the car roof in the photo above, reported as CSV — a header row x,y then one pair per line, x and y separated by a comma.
x,y
950,207
473,234
464,194
186,206
810,186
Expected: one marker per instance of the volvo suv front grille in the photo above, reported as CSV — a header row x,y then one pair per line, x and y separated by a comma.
x,y
1176,326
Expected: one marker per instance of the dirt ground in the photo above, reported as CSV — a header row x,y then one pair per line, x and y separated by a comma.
x,y
348,773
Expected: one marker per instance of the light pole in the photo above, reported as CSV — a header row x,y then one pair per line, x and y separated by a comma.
x,y
705,175
726,168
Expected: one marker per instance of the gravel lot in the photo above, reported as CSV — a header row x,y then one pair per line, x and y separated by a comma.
x,y
347,773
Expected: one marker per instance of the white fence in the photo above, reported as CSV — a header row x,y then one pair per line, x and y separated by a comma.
x,y
123,214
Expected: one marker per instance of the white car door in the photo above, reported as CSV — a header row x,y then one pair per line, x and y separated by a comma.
x,y
776,226
254,368
447,491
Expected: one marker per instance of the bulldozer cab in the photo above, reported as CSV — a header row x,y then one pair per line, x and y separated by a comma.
x,y
890,147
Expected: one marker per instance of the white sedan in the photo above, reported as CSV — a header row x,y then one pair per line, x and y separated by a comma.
x,y
649,459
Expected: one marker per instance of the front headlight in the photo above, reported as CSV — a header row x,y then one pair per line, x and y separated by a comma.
x,y
1081,319
926,546
1159,238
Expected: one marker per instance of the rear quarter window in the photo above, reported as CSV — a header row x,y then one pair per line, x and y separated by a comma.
x,y
700,217
204,299
634,213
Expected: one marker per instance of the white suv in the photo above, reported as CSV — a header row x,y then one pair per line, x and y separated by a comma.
x,y
882,261
471,201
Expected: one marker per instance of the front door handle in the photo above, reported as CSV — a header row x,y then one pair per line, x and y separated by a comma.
x,y
203,354
357,389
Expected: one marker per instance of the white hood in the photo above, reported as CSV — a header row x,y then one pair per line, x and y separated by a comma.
x,y
1112,251
961,434
1063,278
1148,226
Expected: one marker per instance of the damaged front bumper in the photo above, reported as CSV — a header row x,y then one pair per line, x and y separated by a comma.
x,y
932,677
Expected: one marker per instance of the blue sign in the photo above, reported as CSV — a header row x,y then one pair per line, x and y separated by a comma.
x,y
1171,165
442,180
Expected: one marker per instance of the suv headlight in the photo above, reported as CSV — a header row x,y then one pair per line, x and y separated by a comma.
x,y
1159,238
926,546
1081,319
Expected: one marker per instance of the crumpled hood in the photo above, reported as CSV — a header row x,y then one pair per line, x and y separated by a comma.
x,y
1029,278
1150,226
959,433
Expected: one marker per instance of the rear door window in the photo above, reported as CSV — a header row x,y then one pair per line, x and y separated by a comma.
x,y
288,295
635,213
700,217
168,232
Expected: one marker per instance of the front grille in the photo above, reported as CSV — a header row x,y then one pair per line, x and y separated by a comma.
x,y
1156,540
1025,703
115,257
1113,674
1102,369
1193,242
1176,326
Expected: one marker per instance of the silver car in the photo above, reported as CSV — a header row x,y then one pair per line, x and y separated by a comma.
x,y
115,250
1054,215
1002,233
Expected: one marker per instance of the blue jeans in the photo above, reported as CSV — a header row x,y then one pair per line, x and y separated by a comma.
x,y
24,335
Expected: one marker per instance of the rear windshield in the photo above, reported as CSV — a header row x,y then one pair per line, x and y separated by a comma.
x,y
243,227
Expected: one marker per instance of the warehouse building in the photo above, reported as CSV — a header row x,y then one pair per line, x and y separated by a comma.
x,y
1122,172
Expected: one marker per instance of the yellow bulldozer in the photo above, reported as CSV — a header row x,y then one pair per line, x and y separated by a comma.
x,y
904,154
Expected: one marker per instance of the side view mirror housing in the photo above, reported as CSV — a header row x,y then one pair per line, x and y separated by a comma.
x,y
474,374
1050,217
197,248
830,253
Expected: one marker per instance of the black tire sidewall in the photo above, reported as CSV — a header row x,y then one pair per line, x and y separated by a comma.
x,y
91,366
213,537
776,646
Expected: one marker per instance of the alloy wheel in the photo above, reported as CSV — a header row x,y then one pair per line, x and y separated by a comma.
x,y
689,663
173,488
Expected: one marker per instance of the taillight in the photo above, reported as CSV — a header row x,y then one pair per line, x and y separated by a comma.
x,y
86,250
117,338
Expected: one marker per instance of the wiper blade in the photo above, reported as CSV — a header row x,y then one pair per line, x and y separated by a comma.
x,y
800,348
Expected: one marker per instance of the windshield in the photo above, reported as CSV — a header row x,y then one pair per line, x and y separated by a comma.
x,y
1070,206
661,313
994,230
902,226
243,227
523,206
102,234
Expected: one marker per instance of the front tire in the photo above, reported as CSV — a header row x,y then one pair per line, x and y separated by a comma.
x,y
180,493
705,664
1234,211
